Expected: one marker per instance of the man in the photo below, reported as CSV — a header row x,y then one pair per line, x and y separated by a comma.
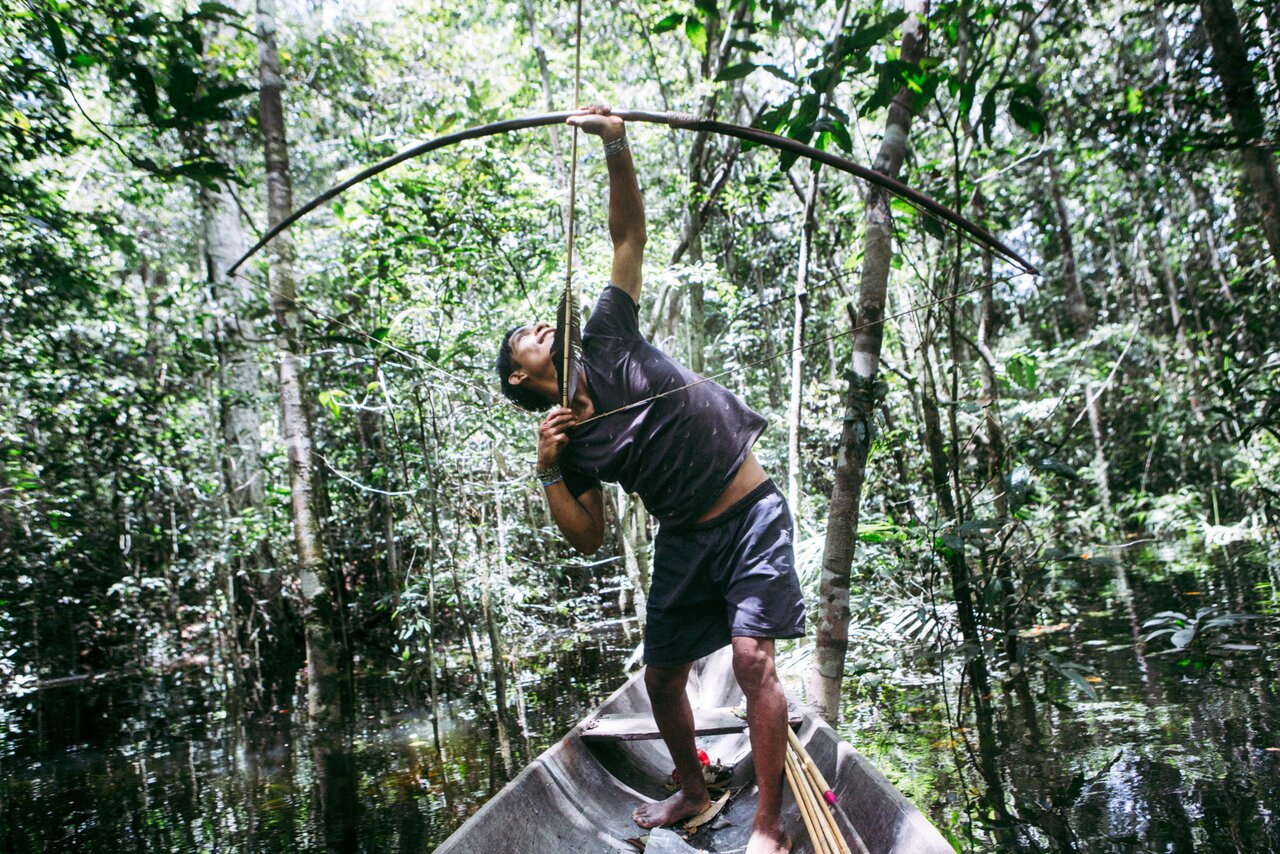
x,y
723,566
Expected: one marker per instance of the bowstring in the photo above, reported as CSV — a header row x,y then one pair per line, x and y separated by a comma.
x,y
568,322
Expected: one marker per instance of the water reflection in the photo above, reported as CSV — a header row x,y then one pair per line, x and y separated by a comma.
x,y
1177,753
158,766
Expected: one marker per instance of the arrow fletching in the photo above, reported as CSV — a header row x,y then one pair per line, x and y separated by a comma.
x,y
568,331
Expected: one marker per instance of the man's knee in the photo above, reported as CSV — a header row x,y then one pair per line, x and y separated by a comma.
x,y
665,682
753,663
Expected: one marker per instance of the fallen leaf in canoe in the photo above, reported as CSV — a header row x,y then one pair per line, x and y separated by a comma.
x,y
707,814
637,842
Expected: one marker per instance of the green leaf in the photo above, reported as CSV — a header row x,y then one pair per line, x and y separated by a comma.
x,y
668,23
801,125
775,117
1079,682
1027,117
840,134
736,72
696,33
1054,466
206,106
779,73
1024,108
987,117
145,87
868,36
182,86
1133,100
213,11
55,36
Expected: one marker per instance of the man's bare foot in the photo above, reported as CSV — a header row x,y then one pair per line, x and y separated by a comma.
x,y
768,841
673,809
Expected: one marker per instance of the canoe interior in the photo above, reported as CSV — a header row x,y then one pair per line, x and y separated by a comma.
x,y
578,796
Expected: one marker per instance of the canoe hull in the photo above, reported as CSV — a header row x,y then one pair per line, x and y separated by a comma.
x,y
578,796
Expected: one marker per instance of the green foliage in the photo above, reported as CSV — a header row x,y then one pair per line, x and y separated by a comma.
x,y
1068,132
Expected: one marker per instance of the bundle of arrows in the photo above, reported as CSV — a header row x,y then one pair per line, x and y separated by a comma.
x,y
816,801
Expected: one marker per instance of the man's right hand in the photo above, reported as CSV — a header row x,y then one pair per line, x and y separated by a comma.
x,y
552,437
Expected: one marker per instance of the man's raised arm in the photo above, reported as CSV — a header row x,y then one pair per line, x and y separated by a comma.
x,y
626,205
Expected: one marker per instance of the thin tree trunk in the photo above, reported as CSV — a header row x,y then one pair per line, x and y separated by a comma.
x,y
962,587
1077,304
548,92
632,522
1231,62
324,690
715,59
801,299
864,391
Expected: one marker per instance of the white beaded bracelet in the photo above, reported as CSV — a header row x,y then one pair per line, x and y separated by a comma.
x,y
616,146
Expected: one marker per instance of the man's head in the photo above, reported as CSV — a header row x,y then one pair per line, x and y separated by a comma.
x,y
526,366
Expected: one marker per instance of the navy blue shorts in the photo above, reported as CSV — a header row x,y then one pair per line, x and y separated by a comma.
x,y
733,576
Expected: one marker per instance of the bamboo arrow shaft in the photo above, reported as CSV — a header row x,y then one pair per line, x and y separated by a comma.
x,y
804,802
680,121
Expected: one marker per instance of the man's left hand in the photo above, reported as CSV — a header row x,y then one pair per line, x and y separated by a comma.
x,y
599,122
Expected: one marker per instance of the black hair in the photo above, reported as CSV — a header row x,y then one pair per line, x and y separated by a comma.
x,y
521,396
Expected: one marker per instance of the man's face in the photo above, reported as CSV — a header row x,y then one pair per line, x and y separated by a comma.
x,y
531,348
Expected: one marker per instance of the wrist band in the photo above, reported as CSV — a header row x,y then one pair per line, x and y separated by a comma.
x,y
549,475
616,146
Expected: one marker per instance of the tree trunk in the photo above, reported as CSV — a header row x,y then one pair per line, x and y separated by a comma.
x,y
862,396
263,630
323,679
1231,62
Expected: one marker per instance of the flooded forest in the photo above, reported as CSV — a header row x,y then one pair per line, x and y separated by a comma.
x,y
277,572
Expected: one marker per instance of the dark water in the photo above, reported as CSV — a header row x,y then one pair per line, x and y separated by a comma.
x,y
1176,753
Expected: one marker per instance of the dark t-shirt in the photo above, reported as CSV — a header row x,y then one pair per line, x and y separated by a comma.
x,y
678,452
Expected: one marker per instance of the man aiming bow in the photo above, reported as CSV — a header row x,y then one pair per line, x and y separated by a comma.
x,y
723,564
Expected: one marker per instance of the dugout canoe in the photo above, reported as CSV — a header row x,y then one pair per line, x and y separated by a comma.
x,y
579,794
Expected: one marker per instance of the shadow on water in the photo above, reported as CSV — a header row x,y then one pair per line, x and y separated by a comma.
x,y
1179,750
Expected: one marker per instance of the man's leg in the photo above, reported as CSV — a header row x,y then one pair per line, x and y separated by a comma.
x,y
767,722
674,716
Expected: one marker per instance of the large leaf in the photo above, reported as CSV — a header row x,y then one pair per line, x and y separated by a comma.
x,y
668,23
696,33
736,72
55,36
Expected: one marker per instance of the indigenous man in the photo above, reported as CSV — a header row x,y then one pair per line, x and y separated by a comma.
x,y
723,568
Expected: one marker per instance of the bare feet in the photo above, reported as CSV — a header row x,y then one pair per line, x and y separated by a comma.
x,y
678,806
768,840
